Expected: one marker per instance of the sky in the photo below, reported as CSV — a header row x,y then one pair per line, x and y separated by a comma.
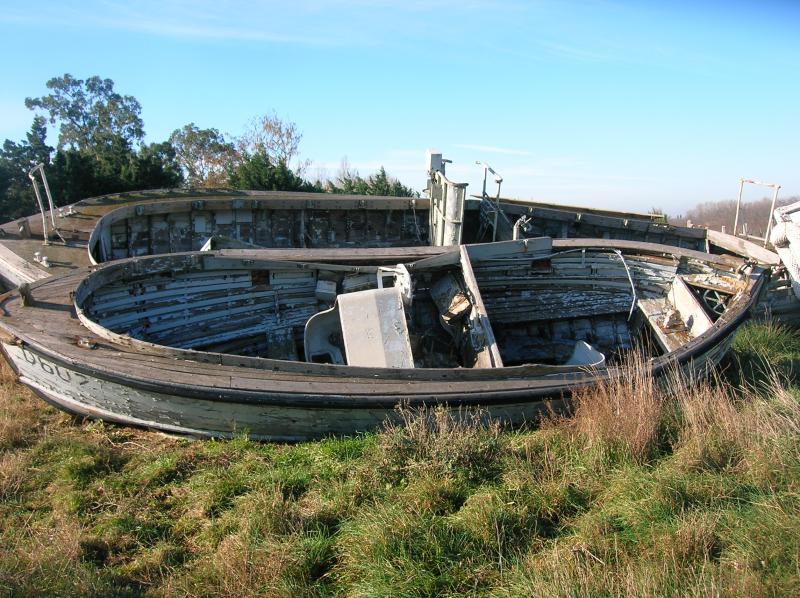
x,y
607,103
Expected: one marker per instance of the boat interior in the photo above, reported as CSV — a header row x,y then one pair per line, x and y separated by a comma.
x,y
193,225
476,306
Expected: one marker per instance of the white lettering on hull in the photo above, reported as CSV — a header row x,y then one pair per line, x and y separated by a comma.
x,y
87,395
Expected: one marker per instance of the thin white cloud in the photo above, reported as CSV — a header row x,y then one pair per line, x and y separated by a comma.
x,y
302,22
491,149
368,167
238,21
575,52
177,21
212,33
555,175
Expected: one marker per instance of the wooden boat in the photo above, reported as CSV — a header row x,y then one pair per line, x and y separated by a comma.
x,y
267,220
298,344
785,237
521,219
288,221
537,219
151,222
168,221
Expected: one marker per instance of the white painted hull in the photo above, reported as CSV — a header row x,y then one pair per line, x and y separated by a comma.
x,y
90,396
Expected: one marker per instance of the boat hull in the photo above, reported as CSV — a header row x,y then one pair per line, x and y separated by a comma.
x,y
265,419
270,416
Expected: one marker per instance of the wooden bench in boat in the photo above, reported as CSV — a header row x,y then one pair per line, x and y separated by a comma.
x,y
673,330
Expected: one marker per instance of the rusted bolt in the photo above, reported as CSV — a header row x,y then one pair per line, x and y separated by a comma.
x,y
85,342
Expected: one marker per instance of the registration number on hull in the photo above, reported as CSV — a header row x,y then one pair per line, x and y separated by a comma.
x,y
26,360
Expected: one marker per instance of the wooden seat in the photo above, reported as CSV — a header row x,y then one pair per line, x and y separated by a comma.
x,y
677,318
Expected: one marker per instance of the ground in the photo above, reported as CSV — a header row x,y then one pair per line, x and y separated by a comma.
x,y
687,489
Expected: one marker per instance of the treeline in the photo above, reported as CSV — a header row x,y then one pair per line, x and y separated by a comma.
x,y
101,149
716,214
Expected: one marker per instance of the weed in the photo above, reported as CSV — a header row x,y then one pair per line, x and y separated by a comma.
x,y
623,413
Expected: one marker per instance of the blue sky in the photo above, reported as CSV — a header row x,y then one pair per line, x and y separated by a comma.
x,y
618,104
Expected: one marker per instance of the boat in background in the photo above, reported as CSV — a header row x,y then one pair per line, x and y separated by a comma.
x,y
166,221
785,237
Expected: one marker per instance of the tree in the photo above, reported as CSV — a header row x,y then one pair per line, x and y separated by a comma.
x,y
92,117
348,181
100,148
379,183
154,166
76,175
203,155
279,140
16,160
257,171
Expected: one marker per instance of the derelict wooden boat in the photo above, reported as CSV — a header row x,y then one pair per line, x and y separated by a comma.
x,y
263,220
533,219
132,224
297,344
540,219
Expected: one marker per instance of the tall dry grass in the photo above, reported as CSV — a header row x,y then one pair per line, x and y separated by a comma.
x,y
642,415
722,427
622,412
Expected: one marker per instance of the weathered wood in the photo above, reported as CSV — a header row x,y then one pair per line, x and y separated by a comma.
x,y
374,329
692,312
743,247
656,311
14,270
136,381
294,221
480,327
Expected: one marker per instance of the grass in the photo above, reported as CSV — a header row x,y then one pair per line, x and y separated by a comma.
x,y
682,489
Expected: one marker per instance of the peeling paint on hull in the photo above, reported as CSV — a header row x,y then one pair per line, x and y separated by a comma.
x,y
81,394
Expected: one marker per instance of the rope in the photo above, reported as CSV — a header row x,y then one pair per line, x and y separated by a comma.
x,y
630,279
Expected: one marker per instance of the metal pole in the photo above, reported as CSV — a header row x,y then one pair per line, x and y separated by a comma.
x,y
776,187
485,196
49,195
769,216
454,212
41,205
499,180
738,204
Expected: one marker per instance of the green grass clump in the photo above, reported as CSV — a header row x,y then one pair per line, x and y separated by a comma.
x,y
685,488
